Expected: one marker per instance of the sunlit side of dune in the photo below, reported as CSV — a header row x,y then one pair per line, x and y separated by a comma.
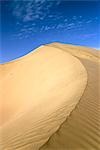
x,y
81,130
39,91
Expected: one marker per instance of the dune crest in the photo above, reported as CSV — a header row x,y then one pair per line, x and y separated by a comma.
x,y
78,51
81,130
39,91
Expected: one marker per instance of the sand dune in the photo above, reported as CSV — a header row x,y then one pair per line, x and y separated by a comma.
x,y
38,92
50,100
81,131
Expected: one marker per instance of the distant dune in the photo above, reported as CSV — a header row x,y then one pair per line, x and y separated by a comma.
x,y
50,100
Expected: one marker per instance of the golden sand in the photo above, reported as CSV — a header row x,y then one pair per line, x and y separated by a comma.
x,y
50,100
81,131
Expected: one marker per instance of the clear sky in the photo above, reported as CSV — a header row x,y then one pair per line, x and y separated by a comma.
x,y
26,24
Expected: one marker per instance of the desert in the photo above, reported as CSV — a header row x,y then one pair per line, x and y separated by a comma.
x,y
50,99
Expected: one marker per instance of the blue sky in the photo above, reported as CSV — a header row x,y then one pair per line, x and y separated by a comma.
x,y
27,24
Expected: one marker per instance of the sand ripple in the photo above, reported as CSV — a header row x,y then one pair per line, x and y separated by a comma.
x,y
81,131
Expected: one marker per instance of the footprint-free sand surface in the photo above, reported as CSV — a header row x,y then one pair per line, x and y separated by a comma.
x,y
81,130
50,100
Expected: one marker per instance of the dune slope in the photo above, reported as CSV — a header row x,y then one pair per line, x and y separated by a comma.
x,y
39,91
81,130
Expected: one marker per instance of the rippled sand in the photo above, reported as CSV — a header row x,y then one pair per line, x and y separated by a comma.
x,y
50,100
81,131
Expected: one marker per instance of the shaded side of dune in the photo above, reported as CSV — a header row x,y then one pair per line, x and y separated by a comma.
x,y
81,131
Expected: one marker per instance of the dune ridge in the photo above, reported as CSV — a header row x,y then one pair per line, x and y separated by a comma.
x,y
41,90
78,51
81,130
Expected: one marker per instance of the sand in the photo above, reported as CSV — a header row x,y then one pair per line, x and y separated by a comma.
x,y
50,100
81,130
